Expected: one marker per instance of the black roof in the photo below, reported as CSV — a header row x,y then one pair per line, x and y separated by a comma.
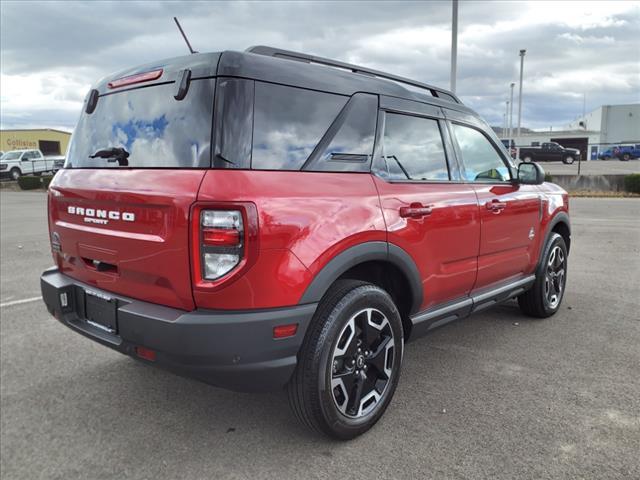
x,y
295,69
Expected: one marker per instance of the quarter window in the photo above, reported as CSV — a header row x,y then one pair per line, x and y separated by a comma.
x,y
482,162
288,124
348,144
413,148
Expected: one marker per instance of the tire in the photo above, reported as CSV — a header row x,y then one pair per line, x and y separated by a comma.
x,y
625,157
322,393
16,173
568,160
527,159
539,301
606,157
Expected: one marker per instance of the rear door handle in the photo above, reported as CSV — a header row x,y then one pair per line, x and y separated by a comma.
x,y
496,206
415,210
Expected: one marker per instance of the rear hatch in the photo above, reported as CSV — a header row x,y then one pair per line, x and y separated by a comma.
x,y
120,221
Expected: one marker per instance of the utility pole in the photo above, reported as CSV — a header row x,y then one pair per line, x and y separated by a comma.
x,y
454,44
511,115
522,52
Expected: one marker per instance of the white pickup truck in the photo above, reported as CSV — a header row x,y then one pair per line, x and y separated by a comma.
x,y
16,163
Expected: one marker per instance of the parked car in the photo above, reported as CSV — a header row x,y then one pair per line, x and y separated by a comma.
x,y
549,152
627,152
16,163
607,154
297,231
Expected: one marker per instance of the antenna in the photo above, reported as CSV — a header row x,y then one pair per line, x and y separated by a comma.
x,y
183,35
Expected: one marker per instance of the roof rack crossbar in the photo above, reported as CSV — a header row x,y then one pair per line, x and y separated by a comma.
x,y
302,57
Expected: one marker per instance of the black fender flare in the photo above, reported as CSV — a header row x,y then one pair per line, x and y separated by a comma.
x,y
560,217
366,252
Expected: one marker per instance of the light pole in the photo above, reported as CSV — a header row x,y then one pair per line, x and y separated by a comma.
x,y
505,124
454,44
522,52
511,115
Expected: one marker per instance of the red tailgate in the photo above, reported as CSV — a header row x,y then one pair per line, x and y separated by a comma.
x,y
126,231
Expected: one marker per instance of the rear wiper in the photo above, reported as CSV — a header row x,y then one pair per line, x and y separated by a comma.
x,y
115,154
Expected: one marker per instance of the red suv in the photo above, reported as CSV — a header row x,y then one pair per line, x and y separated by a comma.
x,y
267,218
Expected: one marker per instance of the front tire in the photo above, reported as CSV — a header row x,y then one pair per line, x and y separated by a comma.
x,y
527,159
16,173
568,160
626,157
544,298
349,364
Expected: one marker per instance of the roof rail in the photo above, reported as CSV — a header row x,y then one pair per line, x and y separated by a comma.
x,y
303,57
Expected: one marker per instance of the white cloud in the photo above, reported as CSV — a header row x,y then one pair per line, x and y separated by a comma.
x,y
572,47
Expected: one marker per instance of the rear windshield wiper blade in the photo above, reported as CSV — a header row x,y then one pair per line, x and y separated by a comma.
x,y
115,154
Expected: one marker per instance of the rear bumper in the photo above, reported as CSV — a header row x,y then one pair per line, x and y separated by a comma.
x,y
230,349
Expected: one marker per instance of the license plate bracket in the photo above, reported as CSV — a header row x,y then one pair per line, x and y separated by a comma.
x,y
101,311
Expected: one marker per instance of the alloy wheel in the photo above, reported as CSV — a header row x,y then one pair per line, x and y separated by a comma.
x,y
555,277
362,363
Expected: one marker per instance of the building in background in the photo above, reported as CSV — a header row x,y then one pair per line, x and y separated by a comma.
x,y
606,127
50,141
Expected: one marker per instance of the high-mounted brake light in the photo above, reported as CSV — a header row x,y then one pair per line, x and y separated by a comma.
x,y
137,78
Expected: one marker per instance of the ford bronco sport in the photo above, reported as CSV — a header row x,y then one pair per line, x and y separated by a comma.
x,y
271,219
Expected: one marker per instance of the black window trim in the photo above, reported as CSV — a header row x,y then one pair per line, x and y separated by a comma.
x,y
460,160
379,153
331,133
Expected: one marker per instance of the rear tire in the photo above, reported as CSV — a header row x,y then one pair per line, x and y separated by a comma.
x,y
626,157
349,364
546,294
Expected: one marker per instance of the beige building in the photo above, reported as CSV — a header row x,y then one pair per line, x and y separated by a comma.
x,y
51,142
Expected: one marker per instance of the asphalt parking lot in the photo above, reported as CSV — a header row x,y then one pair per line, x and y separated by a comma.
x,y
496,396
593,167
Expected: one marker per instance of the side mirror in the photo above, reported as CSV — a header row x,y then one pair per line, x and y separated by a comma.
x,y
530,173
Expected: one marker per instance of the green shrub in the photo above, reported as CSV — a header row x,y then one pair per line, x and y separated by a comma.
x,y
548,177
46,180
632,183
29,183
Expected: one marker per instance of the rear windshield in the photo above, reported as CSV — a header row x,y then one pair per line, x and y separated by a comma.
x,y
156,130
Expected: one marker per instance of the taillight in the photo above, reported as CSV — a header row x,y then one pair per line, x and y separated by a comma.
x,y
224,241
221,242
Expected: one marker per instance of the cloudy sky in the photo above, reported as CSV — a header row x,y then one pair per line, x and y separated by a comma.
x,y
51,52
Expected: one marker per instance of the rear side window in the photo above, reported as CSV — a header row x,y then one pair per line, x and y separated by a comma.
x,y
482,162
348,144
156,130
288,124
413,148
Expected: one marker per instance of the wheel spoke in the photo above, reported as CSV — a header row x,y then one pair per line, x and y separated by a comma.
x,y
369,332
347,342
354,402
379,358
